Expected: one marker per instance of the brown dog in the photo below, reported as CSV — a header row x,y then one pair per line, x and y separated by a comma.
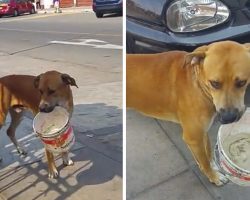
x,y
41,93
191,89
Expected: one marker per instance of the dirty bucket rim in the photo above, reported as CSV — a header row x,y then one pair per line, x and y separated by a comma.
x,y
52,133
221,150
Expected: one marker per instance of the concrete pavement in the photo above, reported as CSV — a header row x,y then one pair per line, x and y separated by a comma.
x,y
97,173
160,167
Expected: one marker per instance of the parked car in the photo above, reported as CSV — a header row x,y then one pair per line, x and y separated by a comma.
x,y
162,25
101,7
16,7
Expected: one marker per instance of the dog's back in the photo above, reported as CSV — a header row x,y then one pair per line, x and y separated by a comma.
x,y
152,82
19,90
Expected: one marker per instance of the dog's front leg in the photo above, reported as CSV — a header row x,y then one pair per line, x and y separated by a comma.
x,y
198,142
52,171
66,159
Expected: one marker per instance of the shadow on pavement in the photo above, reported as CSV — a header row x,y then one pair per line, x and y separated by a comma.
x,y
96,174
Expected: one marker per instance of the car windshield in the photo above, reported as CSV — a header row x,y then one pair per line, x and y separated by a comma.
x,y
4,1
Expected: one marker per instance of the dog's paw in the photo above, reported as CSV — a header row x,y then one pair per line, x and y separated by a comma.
x,y
53,173
68,162
21,151
66,159
221,179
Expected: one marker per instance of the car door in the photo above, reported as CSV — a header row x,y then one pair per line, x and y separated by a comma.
x,y
22,7
25,6
19,6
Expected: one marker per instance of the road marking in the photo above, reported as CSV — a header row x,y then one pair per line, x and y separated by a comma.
x,y
59,32
98,44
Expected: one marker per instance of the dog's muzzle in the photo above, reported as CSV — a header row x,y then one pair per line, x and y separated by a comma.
x,y
46,108
229,115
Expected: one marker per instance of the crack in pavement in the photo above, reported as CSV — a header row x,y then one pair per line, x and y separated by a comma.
x,y
37,47
61,32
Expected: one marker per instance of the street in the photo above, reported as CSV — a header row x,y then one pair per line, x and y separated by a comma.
x,y
89,50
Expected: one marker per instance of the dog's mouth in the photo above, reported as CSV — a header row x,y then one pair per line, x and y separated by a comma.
x,y
46,108
227,116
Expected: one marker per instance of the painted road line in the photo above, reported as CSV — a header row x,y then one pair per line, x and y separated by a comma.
x,y
98,44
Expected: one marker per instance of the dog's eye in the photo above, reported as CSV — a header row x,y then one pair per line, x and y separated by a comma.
x,y
51,92
240,83
215,84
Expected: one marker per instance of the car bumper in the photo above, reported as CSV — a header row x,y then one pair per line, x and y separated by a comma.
x,y
6,11
107,8
145,39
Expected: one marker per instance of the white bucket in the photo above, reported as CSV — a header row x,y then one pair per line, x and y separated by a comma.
x,y
239,134
54,130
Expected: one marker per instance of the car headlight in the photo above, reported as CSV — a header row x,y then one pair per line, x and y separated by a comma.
x,y
195,15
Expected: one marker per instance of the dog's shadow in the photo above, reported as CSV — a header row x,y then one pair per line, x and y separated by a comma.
x,y
97,155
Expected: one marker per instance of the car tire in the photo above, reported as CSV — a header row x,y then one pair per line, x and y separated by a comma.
x,y
99,14
130,44
120,13
32,11
16,13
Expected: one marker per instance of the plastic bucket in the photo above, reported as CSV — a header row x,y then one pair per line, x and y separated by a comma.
x,y
54,130
237,174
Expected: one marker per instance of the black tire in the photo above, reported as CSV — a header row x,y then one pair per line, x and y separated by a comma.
x,y
130,44
99,14
120,13
16,13
32,11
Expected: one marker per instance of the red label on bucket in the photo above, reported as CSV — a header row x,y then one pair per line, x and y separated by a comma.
x,y
59,141
235,173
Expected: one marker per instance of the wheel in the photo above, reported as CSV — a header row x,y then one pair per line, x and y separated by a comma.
x,y
16,13
32,11
99,14
120,13
130,44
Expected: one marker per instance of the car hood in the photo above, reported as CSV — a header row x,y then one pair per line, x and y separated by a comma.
x,y
154,11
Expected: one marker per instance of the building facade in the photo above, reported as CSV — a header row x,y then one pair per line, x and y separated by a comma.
x,y
71,3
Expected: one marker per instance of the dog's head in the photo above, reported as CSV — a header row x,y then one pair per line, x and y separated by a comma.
x,y
54,88
224,69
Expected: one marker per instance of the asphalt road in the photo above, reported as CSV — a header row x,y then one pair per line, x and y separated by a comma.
x,y
31,36
81,41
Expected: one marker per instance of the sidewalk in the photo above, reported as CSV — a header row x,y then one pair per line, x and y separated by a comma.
x,y
160,167
97,153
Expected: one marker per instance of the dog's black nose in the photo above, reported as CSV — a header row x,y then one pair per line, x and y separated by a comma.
x,y
46,108
229,115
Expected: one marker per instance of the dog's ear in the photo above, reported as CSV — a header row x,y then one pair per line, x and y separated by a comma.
x,y
68,80
36,81
196,57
